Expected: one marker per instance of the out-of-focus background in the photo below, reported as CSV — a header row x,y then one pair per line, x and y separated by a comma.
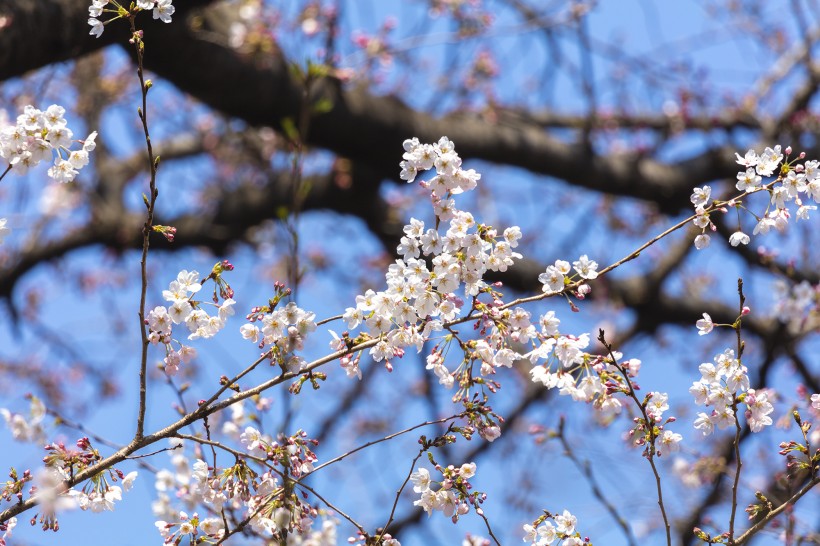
x,y
590,123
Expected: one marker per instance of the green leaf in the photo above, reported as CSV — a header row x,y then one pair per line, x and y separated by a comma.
x,y
322,106
317,70
290,130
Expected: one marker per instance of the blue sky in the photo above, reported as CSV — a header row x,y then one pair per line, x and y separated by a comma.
x,y
676,32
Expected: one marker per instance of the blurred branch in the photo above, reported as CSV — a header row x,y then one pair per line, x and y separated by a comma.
x,y
265,94
57,30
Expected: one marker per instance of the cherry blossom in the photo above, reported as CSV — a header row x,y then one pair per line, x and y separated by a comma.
x,y
437,285
548,528
702,241
722,386
738,238
43,135
705,325
27,429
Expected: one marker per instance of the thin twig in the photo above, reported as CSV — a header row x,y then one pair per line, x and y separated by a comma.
x,y
487,523
398,495
266,463
386,438
738,461
212,406
96,437
650,427
150,201
754,529
586,471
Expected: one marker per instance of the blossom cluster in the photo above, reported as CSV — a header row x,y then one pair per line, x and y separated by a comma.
x,y
797,182
44,135
27,429
192,485
63,462
102,498
583,376
798,306
596,379
722,386
194,528
162,10
702,471
549,528
178,482
657,403
420,299
269,508
361,539
283,330
453,497
184,309
556,276
239,416
7,528
293,452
